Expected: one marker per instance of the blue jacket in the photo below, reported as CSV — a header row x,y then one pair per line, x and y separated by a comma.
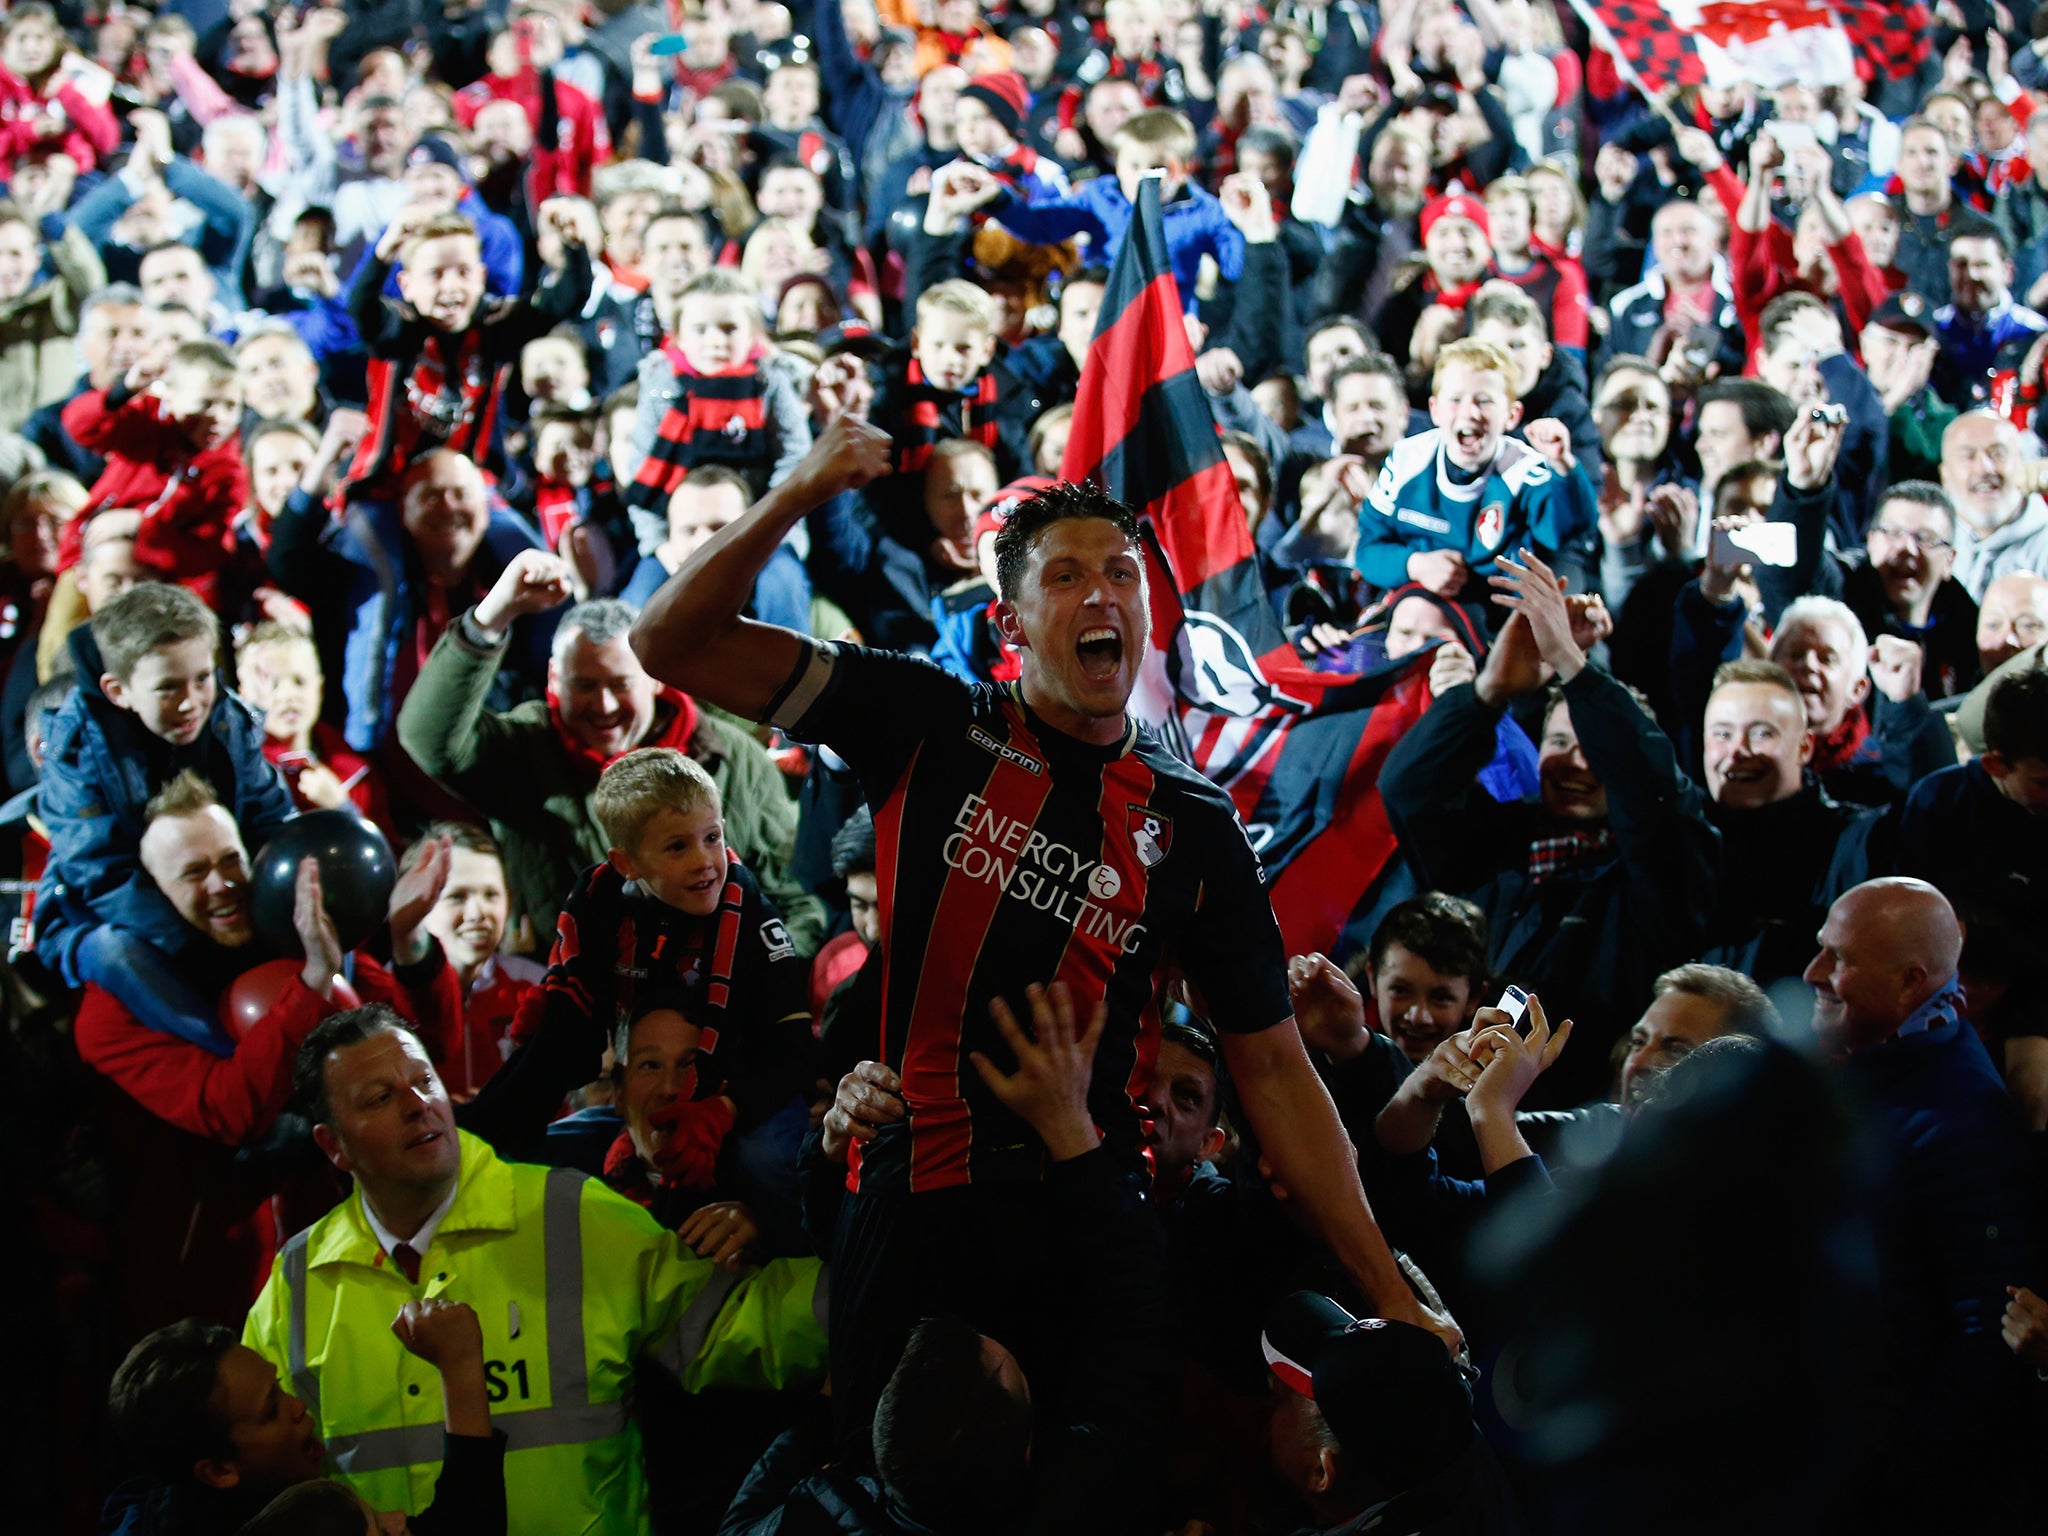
x,y
1196,226
371,554
1955,1222
223,238
100,768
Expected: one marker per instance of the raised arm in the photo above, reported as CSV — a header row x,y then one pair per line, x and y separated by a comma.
x,y
693,633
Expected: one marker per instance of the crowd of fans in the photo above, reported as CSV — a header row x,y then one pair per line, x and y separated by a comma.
x,y
368,370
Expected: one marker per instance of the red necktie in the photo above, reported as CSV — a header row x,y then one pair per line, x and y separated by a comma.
x,y
408,1262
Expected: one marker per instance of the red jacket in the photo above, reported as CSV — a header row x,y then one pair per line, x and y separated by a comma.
x,y
188,499
581,138
1761,266
234,1099
504,983
90,127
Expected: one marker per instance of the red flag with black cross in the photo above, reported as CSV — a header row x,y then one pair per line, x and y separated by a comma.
x,y
1298,751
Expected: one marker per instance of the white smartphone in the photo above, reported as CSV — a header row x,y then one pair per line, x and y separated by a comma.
x,y
1514,1002
1791,136
1775,544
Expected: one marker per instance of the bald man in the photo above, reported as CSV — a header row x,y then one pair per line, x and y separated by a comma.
x,y
1954,1222
2000,525
2012,616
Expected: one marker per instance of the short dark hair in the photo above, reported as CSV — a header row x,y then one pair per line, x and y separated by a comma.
x,y
1199,1043
1763,408
1374,364
1623,362
951,1443
853,845
160,1403
1971,227
148,617
338,1033
1923,493
1448,932
1277,142
1055,504
2016,716
322,1507
1256,456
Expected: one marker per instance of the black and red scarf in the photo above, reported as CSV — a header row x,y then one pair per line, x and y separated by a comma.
x,y
718,418
925,418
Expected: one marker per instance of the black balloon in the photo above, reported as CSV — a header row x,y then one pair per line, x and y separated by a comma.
x,y
357,873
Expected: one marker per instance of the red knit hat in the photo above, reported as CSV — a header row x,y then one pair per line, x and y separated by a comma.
x,y
1006,96
1456,205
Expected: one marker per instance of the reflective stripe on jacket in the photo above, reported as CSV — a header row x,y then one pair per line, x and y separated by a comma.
x,y
573,1286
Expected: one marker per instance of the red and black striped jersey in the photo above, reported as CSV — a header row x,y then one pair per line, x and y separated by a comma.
x,y
1007,853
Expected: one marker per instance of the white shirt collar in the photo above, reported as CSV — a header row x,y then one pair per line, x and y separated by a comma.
x,y
421,1240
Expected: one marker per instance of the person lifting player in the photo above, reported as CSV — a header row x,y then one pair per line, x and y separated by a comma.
x,y
1029,833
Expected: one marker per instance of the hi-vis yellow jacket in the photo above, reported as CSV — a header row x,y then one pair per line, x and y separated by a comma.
x,y
574,1285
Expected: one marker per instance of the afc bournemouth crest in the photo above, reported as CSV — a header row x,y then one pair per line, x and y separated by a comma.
x,y
1151,835
1493,522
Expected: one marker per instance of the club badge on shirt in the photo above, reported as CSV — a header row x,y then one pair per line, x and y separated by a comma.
x,y
1151,834
1493,522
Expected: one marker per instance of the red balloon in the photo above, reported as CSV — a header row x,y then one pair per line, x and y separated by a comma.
x,y
256,991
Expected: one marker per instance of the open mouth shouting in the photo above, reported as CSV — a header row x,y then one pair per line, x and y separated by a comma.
x,y
1101,654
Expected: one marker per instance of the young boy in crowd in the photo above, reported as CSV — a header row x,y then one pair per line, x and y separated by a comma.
x,y
1452,499
945,384
469,923
567,491
168,431
441,353
280,675
149,706
713,394
1195,223
672,912
212,1436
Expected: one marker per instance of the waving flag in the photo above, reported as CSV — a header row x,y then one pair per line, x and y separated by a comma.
x,y
1298,751
1724,42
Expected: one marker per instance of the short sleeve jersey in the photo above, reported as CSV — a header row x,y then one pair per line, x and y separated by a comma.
x,y
1007,853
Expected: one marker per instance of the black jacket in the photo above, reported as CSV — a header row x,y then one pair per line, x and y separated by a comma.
x,y
1782,866
1948,643
1589,943
1096,1401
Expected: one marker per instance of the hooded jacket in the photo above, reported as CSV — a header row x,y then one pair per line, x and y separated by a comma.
x,y
2021,545
100,768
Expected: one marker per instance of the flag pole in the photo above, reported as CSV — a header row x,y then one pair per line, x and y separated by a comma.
x,y
1605,40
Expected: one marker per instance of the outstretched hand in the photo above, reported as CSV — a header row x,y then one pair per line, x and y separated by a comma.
x,y
415,895
1049,1089
1532,590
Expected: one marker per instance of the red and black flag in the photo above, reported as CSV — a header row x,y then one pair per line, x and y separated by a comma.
x,y
1299,751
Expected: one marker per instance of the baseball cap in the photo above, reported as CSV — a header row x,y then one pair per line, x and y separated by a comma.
x,y
997,512
433,149
852,336
1389,1391
1907,313
1455,205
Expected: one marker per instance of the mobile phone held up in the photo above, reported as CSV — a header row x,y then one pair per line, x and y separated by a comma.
x,y
1514,1002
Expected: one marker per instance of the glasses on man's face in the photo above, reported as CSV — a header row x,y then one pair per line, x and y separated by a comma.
x,y
1923,541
